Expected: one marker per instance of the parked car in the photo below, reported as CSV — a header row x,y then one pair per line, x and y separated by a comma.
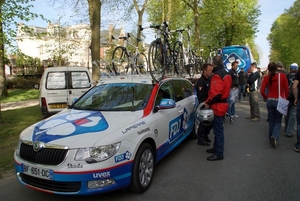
x,y
60,86
109,139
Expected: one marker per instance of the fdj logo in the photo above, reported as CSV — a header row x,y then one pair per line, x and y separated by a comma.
x,y
175,128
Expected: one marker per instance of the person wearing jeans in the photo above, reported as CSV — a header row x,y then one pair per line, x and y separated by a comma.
x,y
274,117
218,94
242,84
295,89
290,118
233,91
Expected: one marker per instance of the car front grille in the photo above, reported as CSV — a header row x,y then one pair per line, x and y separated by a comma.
x,y
51,185
46,156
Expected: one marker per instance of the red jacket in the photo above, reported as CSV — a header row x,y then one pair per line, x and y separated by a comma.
x,y
219,91
273,88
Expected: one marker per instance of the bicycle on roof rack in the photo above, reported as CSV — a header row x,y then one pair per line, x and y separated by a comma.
x,y
184,61
212,53
124,61
199,60
160,55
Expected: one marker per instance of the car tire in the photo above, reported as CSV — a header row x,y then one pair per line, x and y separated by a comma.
x,y
143,169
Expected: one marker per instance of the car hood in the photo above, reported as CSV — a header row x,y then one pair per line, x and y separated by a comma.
x,y
80,128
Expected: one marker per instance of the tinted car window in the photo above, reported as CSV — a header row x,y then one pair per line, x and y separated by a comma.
x,y
188,89
165,91
115,97
178,88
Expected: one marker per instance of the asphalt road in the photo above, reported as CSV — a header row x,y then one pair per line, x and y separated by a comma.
x,y
251,170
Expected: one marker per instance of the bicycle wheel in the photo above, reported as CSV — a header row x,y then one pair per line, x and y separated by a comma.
x,y
155,63
141,63
178,58
120,61
191,66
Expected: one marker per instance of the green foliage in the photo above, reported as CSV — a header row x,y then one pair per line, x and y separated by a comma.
x,y
22,83
14,122
284,38
232,22
12,10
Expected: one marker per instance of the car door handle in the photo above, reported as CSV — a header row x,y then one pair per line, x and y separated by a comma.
x,y
180,111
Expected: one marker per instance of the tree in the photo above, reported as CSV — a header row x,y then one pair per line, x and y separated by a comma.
x,y
10,11
284,37
232,22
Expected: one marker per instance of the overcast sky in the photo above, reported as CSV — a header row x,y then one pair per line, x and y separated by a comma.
x,y
270,10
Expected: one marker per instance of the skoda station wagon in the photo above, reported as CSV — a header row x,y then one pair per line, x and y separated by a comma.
x,y
108,139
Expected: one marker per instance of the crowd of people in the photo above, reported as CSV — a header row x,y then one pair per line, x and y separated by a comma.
x,y
220,89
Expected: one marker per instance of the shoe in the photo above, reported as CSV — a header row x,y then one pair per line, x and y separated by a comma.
x,y
255,119
203,143
215,158
231,120
296,150
250,117
289,135
273,142
226,117
207,139
236,116
211,151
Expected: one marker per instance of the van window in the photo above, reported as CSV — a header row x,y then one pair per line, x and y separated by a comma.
x,y
56,80
59,80
80,80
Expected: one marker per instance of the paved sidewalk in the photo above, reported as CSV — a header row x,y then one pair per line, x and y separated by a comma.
x,y
20,104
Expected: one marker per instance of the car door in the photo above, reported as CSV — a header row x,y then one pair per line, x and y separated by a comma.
x,y
185,100
168,122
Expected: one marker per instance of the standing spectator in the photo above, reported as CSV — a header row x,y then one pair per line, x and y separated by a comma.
x,y
280,67
260,78
218,94
290,118
296,87
271,81
242,84
202,87
252,81
233,91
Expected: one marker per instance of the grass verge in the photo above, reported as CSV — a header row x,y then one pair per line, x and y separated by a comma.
x,y
16,95
14,122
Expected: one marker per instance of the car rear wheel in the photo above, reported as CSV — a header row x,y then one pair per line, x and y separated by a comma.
x,y
143,167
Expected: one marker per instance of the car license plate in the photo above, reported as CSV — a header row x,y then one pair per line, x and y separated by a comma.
x,y
34,171
57,106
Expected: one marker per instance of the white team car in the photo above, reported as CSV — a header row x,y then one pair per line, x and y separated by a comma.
x,y
109,139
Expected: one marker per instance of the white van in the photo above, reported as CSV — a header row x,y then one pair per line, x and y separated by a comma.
x,y
59,87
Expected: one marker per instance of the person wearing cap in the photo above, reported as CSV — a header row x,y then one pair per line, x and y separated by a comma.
x,y
252,81
290,118
280,67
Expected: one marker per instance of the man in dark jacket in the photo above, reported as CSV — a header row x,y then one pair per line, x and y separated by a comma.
x,y
252,81
218,94
202,87
242,84
290,118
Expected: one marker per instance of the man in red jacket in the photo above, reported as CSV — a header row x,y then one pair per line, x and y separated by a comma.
x,y
218,94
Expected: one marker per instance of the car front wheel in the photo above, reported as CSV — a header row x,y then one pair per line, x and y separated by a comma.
x,y
143,167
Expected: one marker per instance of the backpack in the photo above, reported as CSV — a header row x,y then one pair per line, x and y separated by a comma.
x,y
291,77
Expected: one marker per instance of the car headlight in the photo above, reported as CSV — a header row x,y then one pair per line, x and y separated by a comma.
x,y
97,154
18,148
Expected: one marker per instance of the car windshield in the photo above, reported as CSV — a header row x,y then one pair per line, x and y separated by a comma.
x,y
115,97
